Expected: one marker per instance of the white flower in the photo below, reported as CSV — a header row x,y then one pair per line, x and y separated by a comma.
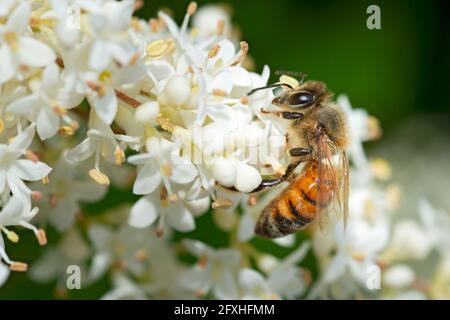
x,y
71,249
162,164
409,241
436,224
69,185
15,213
18,51
398,276
215,272
49,101
14,170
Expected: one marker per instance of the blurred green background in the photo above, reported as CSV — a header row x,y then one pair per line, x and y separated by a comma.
x,y
399,74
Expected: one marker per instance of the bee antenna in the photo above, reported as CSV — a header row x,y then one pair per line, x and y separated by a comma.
x,y
275,85
296,74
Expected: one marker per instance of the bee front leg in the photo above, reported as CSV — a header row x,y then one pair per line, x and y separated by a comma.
x,y
299,152
290,115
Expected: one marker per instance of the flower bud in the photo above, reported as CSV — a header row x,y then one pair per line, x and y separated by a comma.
x,y
177,90
224,171
247,177
147,112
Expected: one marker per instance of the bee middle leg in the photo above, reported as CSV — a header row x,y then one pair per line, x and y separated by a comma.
x,y
270,183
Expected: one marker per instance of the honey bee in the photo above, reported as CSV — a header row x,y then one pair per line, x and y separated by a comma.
x,y
316,136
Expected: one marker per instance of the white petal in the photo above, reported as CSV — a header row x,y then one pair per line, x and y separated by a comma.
x,y
179,218
50,76
8,64
23,140
106,106
2,180
4,273
101,236
82,151
246,228
47,123
24,105
226,287
11,213
222,81
29,170
35,53
144,212
183,173
100,264
148,179
99,58
129,74
18,20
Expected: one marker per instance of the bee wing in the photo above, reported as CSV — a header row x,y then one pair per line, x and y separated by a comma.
x,y
333,181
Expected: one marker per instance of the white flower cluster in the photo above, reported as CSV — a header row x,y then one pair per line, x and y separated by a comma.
x,y
106,93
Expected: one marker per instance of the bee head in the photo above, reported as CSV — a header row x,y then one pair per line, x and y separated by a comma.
x,y
304,96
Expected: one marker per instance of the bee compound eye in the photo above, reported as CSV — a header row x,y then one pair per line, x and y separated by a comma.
x,y
301,99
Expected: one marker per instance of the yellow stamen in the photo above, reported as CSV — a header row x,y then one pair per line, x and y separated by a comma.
x,y
222,204
173,198
214,51
252,200
41,237
105,76
2,125
30,155
381,169
59,109
11,235
219,93
245,100
45,180
220,27
119,156
18,266
66,131
374,128
99,177
192,8
36,195
141,255
11,39
157,48
202,261
166,169
153,24
289,80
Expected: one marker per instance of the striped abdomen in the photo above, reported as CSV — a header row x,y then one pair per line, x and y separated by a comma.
x,y
294,208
